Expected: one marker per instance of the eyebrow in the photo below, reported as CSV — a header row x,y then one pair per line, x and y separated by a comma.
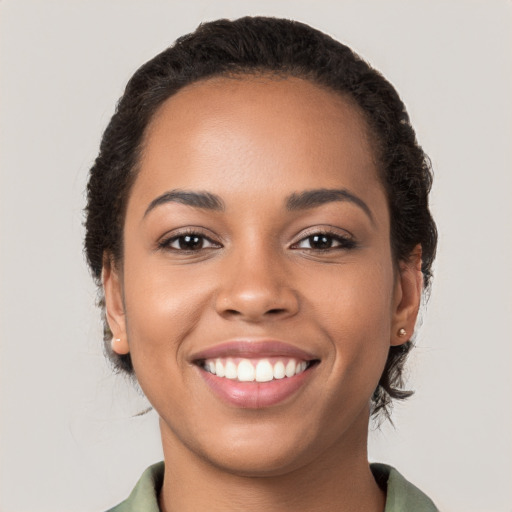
x,y
317,197
203,200
296,201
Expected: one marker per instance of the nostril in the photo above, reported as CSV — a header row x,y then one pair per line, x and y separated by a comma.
x,y
275,311
256,304
269,313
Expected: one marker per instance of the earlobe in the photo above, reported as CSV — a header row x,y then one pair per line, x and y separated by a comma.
x,y
407,298
120,346
114,306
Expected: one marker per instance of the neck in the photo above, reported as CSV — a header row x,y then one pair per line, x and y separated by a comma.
x,y
338,480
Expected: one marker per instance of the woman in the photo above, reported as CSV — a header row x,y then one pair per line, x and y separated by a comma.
x,y
258,221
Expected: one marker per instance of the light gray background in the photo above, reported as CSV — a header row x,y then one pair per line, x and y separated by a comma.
x,y
68,438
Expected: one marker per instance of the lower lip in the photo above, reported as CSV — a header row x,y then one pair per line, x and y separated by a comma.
x,y
255,395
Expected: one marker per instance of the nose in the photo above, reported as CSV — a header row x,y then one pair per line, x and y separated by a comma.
x,y
256,288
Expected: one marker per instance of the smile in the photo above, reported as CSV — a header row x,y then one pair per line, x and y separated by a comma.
x,y
255,374
255,370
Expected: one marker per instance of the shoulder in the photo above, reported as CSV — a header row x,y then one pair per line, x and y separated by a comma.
x,y
145,494
402,496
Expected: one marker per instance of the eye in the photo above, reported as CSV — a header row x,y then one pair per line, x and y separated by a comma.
x,y
325,242
188,242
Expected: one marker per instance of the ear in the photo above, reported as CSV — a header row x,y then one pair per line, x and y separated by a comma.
x,y
114,305
407,299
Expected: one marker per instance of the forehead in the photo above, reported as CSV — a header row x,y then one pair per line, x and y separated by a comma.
x,y
235,130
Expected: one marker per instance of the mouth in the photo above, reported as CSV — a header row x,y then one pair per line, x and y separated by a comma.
x,y
255,374
255,370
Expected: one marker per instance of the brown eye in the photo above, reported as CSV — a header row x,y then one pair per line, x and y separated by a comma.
x,y
320,241
325,242
188,242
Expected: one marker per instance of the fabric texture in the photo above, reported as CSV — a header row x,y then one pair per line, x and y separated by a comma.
x,y
402,496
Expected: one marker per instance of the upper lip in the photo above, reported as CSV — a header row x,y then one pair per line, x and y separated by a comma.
x,y
253,348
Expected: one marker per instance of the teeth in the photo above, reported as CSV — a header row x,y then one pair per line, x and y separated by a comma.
x,y
231,370
300,367
264,371
210,366
290,368
245,371
258,370
219,369
279,371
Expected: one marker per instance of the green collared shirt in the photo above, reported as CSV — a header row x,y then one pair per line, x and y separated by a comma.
x,y
402,496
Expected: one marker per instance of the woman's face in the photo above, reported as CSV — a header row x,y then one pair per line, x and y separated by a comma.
x,y
258,296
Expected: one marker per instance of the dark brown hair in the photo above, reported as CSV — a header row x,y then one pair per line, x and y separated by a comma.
x,y
254,45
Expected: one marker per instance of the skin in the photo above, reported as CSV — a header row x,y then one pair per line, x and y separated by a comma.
x,y
254,141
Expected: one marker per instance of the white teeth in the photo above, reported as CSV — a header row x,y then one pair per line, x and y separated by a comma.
x,y
246,371
300,367
290,368
250,370
219,369
279,372
231,370
264,371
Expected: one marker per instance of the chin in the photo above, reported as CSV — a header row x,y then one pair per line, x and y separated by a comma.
x,y
261,450
258,461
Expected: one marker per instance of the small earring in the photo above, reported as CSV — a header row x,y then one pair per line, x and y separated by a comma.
x,y
119,346
402,332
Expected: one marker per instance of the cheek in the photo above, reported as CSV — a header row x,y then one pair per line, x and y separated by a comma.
x,y
357,315
162,307
358,297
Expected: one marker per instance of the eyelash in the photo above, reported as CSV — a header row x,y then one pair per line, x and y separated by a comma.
x,y
166,243
344,242
329,237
